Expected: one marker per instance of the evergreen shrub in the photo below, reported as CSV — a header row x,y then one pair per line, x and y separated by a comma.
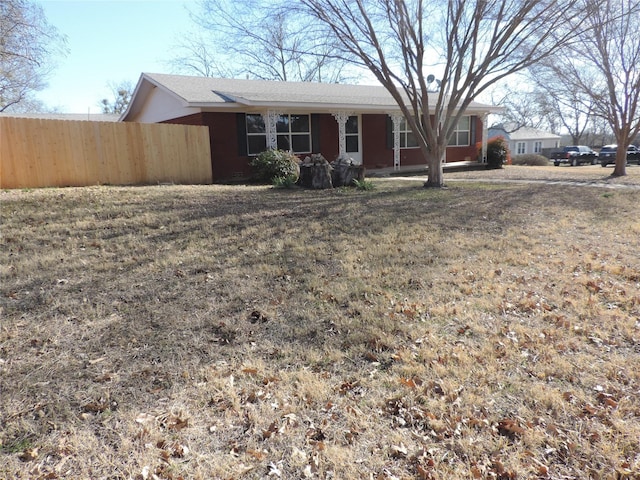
x,y
271,164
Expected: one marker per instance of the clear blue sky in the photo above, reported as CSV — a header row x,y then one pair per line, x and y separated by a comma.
x,y
110,42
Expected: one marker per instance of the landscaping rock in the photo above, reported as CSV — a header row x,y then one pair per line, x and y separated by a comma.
x,y
345,171
315,172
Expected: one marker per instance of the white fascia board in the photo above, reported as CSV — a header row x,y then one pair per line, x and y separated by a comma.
x,y
298,107
321,107
141,94
134,96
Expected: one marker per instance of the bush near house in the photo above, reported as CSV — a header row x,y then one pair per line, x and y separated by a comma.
x,y
497,152
272,164
530,159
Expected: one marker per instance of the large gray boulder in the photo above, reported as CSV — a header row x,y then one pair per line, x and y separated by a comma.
x,y
345,171
315,172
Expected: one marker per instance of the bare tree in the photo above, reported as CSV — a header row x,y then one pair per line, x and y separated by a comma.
x,y
523,107
257,39
473,44
603,65
197,58
27,46
599,132
569,104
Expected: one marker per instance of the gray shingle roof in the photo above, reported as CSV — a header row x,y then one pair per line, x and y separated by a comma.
x,y
205,91
528,133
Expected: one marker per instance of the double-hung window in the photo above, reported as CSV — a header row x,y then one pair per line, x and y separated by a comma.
x,y
407,137
293,133
521,148
256,134
462,134
352,135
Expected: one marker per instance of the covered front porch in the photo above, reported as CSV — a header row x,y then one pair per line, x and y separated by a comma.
x,y
365,137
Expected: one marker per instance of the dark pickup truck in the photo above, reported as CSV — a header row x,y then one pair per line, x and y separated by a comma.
x,y
574,155
608,154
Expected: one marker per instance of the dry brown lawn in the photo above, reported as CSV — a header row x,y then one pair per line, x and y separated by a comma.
x,y
482,331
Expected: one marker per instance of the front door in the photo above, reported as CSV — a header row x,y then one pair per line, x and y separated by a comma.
x,y
353,139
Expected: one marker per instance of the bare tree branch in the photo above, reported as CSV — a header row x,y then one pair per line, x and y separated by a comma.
x,y
28,45
257,39
603,67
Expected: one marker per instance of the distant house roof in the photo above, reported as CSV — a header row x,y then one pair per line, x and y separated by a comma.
x,y
91,117
208,94
522,133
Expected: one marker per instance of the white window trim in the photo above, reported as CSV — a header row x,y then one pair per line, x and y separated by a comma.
x,y
288,134
458,130
291,134
403,132
537,146
351,135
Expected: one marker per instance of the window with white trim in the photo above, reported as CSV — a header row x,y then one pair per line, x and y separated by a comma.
x,y
537,147
462,134
521,148
352,135
407,137
293,133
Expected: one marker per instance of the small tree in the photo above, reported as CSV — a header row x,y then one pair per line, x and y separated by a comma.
x,y
122,96
497,152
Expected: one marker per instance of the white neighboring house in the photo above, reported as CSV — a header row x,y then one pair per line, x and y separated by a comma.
x,y
526,139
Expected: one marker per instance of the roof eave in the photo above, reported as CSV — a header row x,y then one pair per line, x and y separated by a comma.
x,y
322,107
148,83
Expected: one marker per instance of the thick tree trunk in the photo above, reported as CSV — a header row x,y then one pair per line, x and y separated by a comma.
x,y
620,169
436,175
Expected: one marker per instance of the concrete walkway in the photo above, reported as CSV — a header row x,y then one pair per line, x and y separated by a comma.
x,y
423,169
586,176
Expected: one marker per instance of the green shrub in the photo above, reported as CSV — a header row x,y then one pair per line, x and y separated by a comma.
x,y
530,159
497,152
275,163
363,184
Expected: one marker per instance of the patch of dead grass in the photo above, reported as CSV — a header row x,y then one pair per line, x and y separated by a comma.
x,y
480,331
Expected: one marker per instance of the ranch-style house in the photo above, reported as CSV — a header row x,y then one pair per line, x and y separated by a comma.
x,y
245,117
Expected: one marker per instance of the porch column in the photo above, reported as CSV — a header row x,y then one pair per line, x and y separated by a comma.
x,y
485,134
270,121
341,118
396,118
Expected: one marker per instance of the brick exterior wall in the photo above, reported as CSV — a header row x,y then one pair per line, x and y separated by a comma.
x,y
229,162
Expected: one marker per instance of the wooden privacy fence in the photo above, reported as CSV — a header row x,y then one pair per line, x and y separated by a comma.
x,y
59,153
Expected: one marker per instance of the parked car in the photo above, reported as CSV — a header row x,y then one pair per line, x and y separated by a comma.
x,y
574,155
608,154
